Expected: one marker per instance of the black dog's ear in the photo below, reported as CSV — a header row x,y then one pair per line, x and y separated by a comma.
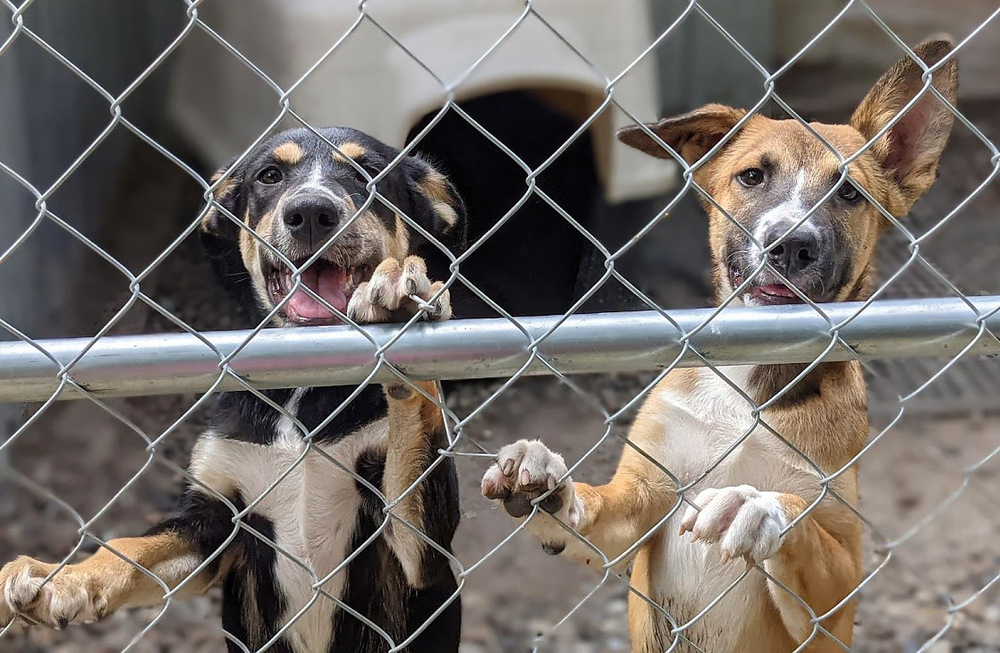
x,y
434,203
220,235
215,223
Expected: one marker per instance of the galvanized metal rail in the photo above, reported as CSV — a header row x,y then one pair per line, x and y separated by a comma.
x,y
468,349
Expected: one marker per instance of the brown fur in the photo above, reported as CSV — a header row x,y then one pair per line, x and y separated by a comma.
x,y
209,221
416,431
824,416
114,583
400,243
819,560
436,188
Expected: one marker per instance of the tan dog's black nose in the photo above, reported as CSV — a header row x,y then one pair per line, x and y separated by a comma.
x,y
794,253
311,219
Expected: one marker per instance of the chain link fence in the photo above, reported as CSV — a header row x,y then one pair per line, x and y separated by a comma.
x,y
515,610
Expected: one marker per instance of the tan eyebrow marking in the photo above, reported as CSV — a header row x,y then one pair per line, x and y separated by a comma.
x,y
352,150
289,153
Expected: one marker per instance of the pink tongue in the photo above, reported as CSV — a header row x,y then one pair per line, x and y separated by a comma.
x,y
328,283
778,290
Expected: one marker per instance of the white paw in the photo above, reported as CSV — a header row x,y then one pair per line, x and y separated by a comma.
x,y
68,598
524,471
389,295
746,522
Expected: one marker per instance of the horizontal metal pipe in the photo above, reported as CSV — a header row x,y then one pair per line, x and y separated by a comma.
x,y
466,349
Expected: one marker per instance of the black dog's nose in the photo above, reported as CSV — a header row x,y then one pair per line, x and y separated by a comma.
x,y
794,254
311,219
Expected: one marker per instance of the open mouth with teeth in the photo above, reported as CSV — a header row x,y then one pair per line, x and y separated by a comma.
x,y
335,284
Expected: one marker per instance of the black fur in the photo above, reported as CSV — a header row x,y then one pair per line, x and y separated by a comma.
x,y
375,583
256,565
244,416
203,522
206,523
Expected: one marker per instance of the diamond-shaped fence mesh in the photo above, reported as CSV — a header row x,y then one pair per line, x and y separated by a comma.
x,y
928,492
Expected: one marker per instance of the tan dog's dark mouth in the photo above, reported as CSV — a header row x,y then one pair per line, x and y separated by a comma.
x,y
765,294
335,284
773,294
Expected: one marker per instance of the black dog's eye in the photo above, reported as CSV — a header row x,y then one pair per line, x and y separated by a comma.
x,y
848,192
269,175
751,177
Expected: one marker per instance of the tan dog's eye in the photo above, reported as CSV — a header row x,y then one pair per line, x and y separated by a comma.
x,y
848,192
269,175
751,177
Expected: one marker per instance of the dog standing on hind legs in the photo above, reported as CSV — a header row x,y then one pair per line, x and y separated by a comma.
x,y
296,193
759,500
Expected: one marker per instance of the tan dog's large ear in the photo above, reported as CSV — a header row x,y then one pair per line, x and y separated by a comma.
x,y
691,135
911,148
226,195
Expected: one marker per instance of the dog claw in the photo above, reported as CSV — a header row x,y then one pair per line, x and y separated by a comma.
x,y
535,476
554,548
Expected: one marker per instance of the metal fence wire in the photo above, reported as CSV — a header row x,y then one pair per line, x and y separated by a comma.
x,y
942,331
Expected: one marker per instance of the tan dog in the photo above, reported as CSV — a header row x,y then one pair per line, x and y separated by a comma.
x,y
755,497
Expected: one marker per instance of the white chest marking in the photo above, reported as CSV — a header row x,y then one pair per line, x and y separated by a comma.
x,y
313,509
702,428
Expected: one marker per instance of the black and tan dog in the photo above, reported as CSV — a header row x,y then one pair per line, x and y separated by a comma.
x,y
296,192
754,497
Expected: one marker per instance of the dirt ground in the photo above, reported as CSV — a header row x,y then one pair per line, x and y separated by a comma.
x,y
923,467
519,592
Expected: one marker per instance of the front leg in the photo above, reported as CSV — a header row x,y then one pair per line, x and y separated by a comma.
x,y
611,518
809,561
101,584
429,510
105,582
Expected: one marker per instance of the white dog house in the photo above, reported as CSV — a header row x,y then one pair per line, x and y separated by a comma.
x,y
371,83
